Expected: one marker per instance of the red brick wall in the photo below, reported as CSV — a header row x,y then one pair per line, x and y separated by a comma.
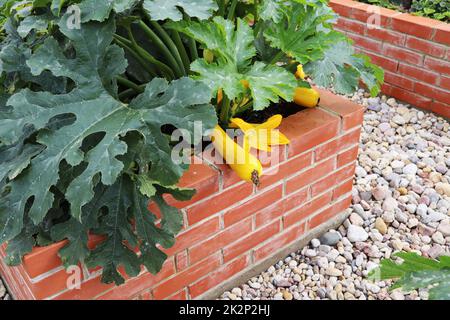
x,y
413,51
229,225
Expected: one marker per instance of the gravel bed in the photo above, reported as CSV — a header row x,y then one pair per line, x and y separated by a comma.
x,y
401,202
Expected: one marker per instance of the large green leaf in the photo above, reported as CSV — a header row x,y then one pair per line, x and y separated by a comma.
x,y
94,110
268,83
342,68
233,48
301,33
417,272
100,10
171,9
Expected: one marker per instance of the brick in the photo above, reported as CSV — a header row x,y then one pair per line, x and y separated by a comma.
x,y
228,236
432,92
43,259
342,189
308,129
381,61
273,158
185,278
306,210
329,213
426,47
331,148
194,235
445,82
215,278
343,7
296,199
442,33
365,11
202,178
181,295
286,169
280,241
350,112
255,204
89,289
399,80
363,41
348,156
270,213
403,55
441,108
181,260
229,177
389,36
219,202
437,65
407,96
330,181
309,176
276,210
250,241
417,26
351,25
416,73
11,276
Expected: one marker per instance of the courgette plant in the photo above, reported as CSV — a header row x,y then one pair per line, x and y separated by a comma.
x,y
87,105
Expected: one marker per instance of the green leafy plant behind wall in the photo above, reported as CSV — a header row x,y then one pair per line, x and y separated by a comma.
x,y
88,104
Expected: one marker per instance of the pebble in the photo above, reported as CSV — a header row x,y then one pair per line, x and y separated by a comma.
x,y
287,295
444,228
315,243
381,226
356,234
390,204
356,220
330,238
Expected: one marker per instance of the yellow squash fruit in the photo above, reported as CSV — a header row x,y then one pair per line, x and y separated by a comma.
x,y
245,83
246,166
219,96
306,97
261,136
300,74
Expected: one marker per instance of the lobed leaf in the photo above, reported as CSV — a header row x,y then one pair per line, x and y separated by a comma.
x,y
174,9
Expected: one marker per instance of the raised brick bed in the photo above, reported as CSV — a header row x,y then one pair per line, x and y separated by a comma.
x,y
232,230
414,52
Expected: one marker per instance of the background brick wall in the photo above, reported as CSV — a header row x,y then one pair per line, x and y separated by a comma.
x,y
414,52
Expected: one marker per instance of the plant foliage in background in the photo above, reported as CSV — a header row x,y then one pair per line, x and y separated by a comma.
x,y
416,272
87,109
436,9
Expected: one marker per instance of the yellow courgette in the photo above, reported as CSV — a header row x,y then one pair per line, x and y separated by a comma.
x,y
300,74
306,97
246,166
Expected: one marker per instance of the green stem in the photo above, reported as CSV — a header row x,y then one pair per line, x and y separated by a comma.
x,y
166,71
232,10
126,94
170,45
162,47
129,84
222,6
225,110
277,57
145,64
182,50
192,44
